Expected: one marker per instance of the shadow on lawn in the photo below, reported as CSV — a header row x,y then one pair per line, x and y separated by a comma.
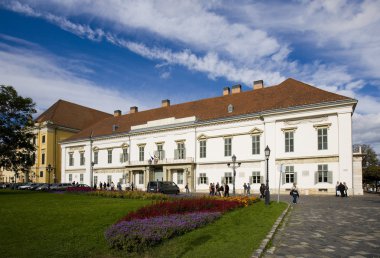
x,y
195,243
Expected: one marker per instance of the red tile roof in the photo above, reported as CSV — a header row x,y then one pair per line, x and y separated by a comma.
x,y
70,115
289,93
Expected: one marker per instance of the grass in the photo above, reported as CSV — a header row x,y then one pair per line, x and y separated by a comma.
x,y
58,225
65,225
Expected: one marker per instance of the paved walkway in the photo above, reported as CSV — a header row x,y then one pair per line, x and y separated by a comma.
x,y
329,226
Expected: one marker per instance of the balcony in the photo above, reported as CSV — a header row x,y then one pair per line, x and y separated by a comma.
x,y
179,154
135,163
159,154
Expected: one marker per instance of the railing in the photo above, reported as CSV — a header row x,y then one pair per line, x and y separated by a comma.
x,y
160,162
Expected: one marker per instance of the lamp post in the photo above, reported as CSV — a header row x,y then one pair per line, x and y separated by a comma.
x,y
234,167
49,168
267,193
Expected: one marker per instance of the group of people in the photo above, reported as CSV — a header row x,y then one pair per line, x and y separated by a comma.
x,y
110,186
247,189
341,189
219,190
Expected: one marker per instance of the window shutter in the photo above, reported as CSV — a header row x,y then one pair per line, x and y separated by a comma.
x,y
199,180
329,177
295,177
316,177
261,179
222,180
283,178
251,179
206,180
121,157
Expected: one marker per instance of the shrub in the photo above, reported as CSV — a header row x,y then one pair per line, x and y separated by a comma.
x,y
139,234
130,195
78,189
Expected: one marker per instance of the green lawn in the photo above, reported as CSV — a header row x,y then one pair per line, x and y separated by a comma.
x,y
66,225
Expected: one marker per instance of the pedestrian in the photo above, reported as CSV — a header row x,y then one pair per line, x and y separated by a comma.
x,y
345,189
341,189
210,188
294,193
118,186
73,183
112,186
245,188
187,188
221,190
108,185
262,191
132,185
248,189
217,190
104,185
226,190
336,189
100,185
95,186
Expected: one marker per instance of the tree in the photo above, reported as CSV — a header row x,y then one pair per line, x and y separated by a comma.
x,y
370,164
16,131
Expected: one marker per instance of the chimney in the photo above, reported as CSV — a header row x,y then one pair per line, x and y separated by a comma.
x,y
165,103
236,89
226,91
117,113
258,84
133,109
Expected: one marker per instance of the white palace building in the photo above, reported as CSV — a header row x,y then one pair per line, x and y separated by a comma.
x,y
308,130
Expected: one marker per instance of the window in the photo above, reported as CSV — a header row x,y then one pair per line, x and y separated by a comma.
x,y
202,149
289,175
255,144
41,174
180,178
81,158
160,152
109,179
141,178
71,159
180,153
43,158
70,177
289,141
227,146
227,178
109,156
43,140
322,138
203,179
124,156
323,175
96,155
95,180
256,178
81,178
141,153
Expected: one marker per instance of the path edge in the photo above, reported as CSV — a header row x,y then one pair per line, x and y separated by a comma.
x,y
259,251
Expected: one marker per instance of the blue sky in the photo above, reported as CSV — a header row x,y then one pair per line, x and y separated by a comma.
x,y
117,54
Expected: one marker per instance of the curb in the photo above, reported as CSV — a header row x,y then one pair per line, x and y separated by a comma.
x,y
259,251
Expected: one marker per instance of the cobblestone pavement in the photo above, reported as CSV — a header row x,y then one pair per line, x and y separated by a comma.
x,y
329,226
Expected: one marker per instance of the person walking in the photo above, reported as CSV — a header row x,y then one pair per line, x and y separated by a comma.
x,y
294,193
118,186
221,190
210,188
226,190
187,188
94,186
341,189
248,189
104,186
217,190
262,191
245,188
345,189
336,189
112,186
100,185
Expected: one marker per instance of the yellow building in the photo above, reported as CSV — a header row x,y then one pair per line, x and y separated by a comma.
x,y
59,122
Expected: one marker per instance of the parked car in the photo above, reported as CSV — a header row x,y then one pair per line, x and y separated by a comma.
x,y
43,187
35,186
4,185
25,186
166,187
60,187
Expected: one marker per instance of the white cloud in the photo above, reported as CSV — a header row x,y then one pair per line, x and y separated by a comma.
x,y
38,75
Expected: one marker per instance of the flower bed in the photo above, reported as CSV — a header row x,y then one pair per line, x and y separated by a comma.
x,y
139,234
131,195
182,206
78,189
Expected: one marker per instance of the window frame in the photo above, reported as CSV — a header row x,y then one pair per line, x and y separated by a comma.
x,y
96,157
256,138
228,179
322,134
109,156
289,175
82,159
289,141
227,146
202,149
71,159
141,153
256,177
323,171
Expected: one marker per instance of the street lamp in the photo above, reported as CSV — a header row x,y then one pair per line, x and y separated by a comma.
x,y
234,166
267,193
49,169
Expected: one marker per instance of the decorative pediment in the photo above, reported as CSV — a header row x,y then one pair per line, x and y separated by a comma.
x,y
255,131
202,137
287,129
124,145
95,148
326,125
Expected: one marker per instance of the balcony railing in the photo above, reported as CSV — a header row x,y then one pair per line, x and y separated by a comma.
x,y
160,162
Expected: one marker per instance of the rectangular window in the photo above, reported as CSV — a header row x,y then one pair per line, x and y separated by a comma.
x,y
109,156
289,141
180,178
81,158
322,173
322,138
41,174
289,174
228,178
124,156
227,147
141,153
141,178
43,140
96,155
203,178
202,149
180,153
43,158
81,178
71,159
160,152
70,177
95,180
255,144
109,179
256,178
